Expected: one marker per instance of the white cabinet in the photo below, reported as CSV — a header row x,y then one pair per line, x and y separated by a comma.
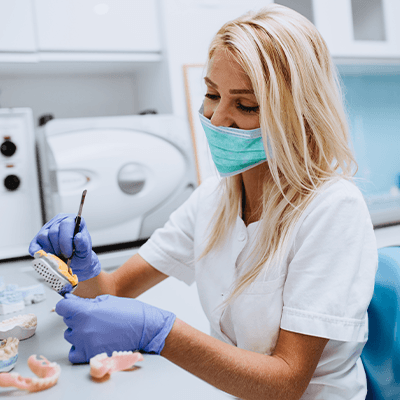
x,y
97,25
360,28
355,29
16,26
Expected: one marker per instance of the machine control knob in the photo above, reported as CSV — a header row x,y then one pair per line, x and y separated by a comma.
x,y
8,148
12,182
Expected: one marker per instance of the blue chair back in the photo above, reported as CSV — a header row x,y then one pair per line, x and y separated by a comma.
x,y
381,354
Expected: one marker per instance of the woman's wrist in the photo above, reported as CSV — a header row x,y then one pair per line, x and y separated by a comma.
x,y
96,286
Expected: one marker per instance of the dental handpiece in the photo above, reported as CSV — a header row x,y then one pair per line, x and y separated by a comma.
x,y
76,230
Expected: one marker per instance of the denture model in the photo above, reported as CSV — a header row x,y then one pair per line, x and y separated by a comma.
x,y
8,354
102,365
47,376
11,300
21,327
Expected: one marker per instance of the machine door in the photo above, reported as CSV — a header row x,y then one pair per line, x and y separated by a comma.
x,y
127,173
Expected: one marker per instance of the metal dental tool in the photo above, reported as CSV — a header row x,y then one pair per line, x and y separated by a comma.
x,y
76,230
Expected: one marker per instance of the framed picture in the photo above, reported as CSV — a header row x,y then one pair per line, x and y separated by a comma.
x,y
195,89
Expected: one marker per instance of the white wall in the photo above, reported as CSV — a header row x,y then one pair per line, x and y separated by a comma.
x,y
188,28
70,96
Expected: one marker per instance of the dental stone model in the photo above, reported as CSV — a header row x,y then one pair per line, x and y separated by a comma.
x,y
20,327
47,376
8,354
11,300
101,364
32,294
11,295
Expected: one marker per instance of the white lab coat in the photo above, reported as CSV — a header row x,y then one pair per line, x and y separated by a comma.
x,y
322,288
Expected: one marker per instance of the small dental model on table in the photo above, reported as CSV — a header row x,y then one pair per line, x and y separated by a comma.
x,y
14,298
8,354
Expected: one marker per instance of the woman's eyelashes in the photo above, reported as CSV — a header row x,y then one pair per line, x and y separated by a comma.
x,y
212,96
248,109
239,106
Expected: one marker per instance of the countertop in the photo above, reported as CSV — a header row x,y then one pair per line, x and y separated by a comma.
x,y
155,377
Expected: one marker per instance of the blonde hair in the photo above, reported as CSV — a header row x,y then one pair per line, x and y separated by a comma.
x,y
301,117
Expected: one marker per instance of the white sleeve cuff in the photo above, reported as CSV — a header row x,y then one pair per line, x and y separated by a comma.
x,y
326,326
166,264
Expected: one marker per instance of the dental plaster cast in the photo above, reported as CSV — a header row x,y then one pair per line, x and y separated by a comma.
x,y
8,354
101,364
21,327
33,294
11,300
47,376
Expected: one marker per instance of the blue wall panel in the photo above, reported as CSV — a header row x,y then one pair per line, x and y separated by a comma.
x,y
373,105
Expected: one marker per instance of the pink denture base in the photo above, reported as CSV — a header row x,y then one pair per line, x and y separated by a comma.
x,y
101,364
47,376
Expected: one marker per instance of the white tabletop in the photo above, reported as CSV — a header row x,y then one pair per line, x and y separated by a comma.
x,y
156,377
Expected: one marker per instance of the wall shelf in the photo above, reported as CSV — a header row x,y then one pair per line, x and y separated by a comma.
x,y
76,63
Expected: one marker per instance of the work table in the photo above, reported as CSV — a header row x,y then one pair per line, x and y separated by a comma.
x,y
155,377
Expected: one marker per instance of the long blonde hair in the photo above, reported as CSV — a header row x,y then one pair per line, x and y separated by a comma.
x,y
302,118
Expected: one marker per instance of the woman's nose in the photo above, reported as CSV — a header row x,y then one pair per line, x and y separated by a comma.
x,y
221,117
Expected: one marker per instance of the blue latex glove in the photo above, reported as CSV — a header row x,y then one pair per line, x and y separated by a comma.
x,y
56,237
108,323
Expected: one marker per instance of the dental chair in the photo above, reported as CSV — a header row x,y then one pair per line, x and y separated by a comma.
x,y
381,354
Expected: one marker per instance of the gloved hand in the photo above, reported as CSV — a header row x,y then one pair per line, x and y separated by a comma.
x,y
56,237
108,323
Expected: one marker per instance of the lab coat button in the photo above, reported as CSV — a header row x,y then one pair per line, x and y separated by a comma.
x,y
242,237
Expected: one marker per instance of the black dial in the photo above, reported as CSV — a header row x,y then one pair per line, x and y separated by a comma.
x,y
12,182
8,148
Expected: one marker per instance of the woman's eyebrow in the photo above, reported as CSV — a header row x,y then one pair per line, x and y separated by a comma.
x,y
241,91
231,91
210,82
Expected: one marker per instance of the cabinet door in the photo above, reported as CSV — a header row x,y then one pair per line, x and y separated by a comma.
x,y
16,26
92,25
360,28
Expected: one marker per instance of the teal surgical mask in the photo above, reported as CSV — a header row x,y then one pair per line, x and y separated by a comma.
x,y
233,150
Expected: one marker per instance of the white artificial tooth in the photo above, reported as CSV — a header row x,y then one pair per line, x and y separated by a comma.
x,y
99,357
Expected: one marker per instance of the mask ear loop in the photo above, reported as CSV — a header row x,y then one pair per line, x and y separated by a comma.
x,y
201,109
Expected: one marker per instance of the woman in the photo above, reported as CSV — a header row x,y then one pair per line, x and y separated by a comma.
x,y
282,248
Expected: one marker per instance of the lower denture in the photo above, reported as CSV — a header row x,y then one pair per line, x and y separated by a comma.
x,y
102,365
47,376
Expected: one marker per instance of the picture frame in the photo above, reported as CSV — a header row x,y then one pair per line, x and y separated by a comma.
x,y
195,89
